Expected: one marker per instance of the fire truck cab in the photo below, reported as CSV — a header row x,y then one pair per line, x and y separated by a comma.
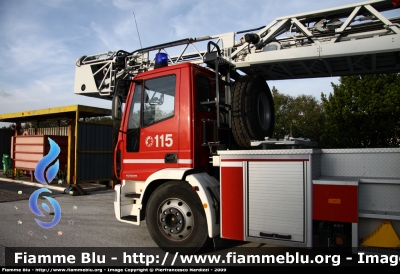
x,y
168,132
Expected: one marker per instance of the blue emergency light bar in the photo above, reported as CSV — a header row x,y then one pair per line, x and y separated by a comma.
x,y
161,60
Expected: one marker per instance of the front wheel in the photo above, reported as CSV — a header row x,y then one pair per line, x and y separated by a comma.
x,y
176,219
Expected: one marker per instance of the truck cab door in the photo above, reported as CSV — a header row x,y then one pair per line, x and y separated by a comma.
x,y
151,125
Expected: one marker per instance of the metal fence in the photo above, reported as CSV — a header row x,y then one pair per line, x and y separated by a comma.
x,y
94,152
60,131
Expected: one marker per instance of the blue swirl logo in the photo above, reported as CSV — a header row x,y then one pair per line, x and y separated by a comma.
x,y
44,177
33,205
45,161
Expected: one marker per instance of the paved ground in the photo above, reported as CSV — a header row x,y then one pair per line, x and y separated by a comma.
x,y
21,188
13,192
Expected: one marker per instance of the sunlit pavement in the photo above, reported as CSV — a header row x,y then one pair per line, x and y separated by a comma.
x,y
21,188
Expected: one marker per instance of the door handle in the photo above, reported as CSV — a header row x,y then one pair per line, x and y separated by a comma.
x,y
171,158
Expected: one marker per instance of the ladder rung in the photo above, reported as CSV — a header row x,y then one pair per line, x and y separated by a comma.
x,y
215,103
226,83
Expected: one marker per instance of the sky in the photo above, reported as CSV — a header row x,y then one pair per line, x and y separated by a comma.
x,y
41,40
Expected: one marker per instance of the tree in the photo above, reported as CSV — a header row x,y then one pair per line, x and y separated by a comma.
x,y
283,113
7,127
299,116
100,120
46,124
363,111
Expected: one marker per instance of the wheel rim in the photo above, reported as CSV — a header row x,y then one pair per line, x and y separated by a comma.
x,y
176,219
263,110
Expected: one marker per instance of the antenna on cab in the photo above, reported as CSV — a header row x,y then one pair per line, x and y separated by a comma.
x,y
137,30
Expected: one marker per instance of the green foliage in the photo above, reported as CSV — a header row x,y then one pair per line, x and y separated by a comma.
x,y
62,173
300,116
363,111
66,122
101,120
7,127
46,124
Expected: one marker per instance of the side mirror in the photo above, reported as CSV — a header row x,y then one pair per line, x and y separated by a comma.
x,y
116,109
156,100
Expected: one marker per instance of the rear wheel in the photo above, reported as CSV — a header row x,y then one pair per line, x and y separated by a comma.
x,y
176,219
253,114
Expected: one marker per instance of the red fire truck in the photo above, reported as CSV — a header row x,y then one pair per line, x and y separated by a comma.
x,y
194,155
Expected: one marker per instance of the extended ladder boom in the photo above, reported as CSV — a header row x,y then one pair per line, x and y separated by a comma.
x,y
347,40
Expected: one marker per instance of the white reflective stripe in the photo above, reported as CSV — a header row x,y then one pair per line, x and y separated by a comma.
x,y
154,161
185,161
231,164
143,161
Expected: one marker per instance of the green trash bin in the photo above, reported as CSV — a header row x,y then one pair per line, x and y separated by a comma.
x,y
6,162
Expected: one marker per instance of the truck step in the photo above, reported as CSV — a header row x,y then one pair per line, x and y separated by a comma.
x,y
129,218
132,195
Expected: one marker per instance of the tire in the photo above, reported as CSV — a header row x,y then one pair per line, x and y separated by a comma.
x,y
253,113
8,172
176,219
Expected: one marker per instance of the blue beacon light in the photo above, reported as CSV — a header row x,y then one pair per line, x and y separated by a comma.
x,y
161,60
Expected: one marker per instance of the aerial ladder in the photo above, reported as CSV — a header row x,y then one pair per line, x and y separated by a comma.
x,y
324,43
